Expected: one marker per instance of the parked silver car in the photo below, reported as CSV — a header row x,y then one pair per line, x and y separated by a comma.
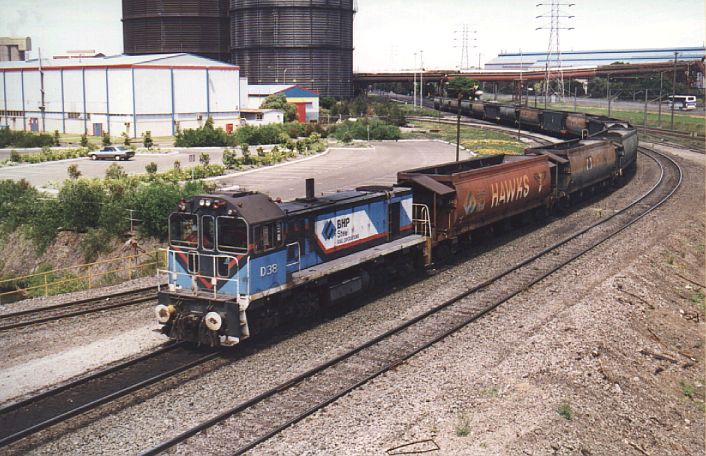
x,y
112,152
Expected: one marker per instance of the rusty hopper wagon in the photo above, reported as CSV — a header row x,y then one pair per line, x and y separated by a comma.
x,y
467,195
581,165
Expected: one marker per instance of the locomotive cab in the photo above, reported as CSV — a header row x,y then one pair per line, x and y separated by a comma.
x,y
217,243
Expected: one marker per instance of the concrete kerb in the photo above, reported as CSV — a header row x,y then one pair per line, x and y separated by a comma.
x,y
250,171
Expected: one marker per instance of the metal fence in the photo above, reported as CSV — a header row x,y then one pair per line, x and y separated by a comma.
x,y
82,277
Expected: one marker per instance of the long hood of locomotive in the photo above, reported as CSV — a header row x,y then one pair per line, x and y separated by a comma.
x,y
350,228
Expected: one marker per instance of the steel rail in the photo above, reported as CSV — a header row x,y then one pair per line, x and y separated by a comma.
x,y
71,410
338,359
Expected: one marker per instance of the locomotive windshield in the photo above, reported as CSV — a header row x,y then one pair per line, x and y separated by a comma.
x,y
232,234
183,230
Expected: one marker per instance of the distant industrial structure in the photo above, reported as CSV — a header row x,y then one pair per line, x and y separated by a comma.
x,y
304,42
14,49
120,94
198,27
574,59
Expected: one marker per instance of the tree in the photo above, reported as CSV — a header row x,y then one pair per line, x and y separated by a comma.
x,y
84,140
56,138
126,139
73,171
462,86
279,101
147,140
151,168
80,202
106,140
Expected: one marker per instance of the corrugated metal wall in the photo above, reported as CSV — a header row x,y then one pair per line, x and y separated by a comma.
x,y
311,39
164,26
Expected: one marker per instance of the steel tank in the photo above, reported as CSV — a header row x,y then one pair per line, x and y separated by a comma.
x,y
303,42
167,26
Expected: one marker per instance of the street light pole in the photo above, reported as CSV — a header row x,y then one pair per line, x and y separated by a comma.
x,y
421,79
659,104
458,126
674,89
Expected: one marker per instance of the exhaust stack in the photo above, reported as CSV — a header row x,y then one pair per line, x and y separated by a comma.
x,y
310,189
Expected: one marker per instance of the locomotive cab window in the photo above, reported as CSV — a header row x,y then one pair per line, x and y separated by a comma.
x,y
183,230
232,235
268,236
208,232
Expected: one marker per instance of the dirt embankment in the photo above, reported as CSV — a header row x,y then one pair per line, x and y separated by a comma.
x,y
19,255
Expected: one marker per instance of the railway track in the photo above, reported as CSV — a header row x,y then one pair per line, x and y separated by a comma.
x,y
75,308
254,421
541,139
27,417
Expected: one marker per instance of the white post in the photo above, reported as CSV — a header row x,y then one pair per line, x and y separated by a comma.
x,y
421,79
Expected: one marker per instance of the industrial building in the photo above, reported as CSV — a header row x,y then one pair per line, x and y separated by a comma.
x,y
569,59
306,101
14,49
131,94
304,42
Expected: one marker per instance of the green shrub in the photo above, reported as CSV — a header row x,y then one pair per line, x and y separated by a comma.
x,y
126,139
204,158
115,171
151,168
147,140
361,128
56,138
206,136
73,171
24,139
106,139
80,202
84,140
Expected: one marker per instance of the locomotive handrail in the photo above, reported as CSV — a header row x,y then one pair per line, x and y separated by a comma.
x,y
421,219
173,275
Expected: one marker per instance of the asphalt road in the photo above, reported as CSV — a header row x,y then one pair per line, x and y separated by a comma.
x,y
344,168
42,174
341,168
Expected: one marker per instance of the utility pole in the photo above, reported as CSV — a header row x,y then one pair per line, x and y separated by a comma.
x,y
644,118
608,89
458,126
554,76
42,106
421,79
414,96
674,88
659,104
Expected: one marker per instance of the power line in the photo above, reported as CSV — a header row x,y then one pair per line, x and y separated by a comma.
x,y
465,35
554,77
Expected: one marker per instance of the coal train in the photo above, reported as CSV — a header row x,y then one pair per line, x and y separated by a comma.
x,y
240,263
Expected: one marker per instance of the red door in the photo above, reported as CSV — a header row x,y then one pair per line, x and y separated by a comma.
x,y
301,112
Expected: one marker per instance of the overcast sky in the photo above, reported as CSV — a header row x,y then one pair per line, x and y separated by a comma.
x,y
389,32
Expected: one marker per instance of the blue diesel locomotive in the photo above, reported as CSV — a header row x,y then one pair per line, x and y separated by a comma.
x,y
238,258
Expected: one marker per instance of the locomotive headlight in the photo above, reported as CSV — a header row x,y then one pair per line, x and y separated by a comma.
x,y
163,313
202,202
213,321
